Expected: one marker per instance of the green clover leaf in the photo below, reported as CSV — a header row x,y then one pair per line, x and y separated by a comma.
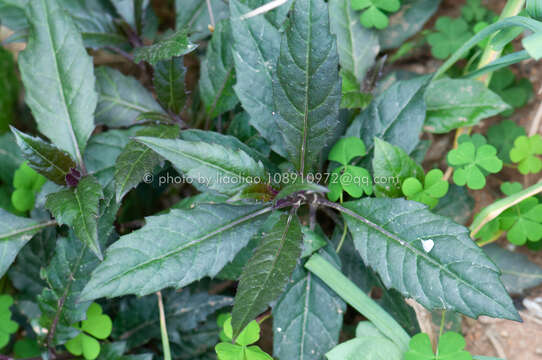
x,y
471,158
523,222
375,12
241,350
434,188
515,93
27,183
450,35
347,149
450,347
474,11
510,188
502,136
354,180
7,326
525,153
96,326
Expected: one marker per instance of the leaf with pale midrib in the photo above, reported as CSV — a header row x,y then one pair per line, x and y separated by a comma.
x,y
45,158
78,208
267,273
176,44
256,49
307,91
137,160
15,232
218,73
59,78
209,166
308,317
168,80
121,98
357,45
455,274
175,249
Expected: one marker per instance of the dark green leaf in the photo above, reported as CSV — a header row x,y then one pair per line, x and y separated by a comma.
x,y
518,273
138,320
395,116
357,45
407,22
457,204
168,82
174,45
194,16
307,92
140,263
121,98
210,166
307,318
14,234
439,269
502,136
59,78
78,208
255,52
267,273
392,165
137,160
116,350
9,83
103,150
66,276
454,103
45,158
12,14
218,73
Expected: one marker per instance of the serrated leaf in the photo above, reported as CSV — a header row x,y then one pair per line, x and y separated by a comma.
x,y
307,91
392,163
268,271
138,320
137,160
210,166
396,116
357,46
78,208
66,276
59,78
173,45
194,16
140,262
454,103
218,73
255,52
168,81
45,158
14,234
121,98
407,22
454,275
307,317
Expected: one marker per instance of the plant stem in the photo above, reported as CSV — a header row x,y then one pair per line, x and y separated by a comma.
x,y
350,293
345,231
442,322
163,328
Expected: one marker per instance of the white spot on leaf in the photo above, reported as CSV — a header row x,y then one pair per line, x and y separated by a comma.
x,y
428,245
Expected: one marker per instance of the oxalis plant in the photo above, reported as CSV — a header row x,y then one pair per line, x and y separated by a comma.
x,y
184,180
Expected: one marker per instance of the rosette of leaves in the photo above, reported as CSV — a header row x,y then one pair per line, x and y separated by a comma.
x,y
514,92
525,153
7,326
472,160
27,184
96,326
241,348
375,12
450,34
430,191
352,179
